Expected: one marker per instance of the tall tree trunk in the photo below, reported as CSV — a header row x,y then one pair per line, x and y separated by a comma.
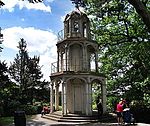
x,y
142,11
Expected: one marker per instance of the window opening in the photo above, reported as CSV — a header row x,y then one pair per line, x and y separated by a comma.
x,y
84,30
76,26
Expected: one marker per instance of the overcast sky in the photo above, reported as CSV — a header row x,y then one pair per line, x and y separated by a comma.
x,y
38,24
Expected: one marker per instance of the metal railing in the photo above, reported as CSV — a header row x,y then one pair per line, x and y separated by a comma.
x,y
60,35
76,66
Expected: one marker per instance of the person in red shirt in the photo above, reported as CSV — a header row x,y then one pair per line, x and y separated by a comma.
x,y
119,111
45,110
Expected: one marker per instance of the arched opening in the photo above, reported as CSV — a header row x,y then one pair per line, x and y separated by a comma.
x,y
84,29
61,66
66,28
75,96
91,58
76,26
96,95
75,57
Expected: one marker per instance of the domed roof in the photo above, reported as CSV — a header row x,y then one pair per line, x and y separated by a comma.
x,y
75,13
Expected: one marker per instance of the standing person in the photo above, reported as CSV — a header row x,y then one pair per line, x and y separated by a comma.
x,y
100,109
127,114
43,111
119,111
99,106
124,108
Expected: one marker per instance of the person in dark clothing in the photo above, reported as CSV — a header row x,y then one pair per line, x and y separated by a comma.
x,y
99,106
100,109
127,115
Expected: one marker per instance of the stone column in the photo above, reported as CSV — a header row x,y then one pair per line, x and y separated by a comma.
x,y
64,98
62,62
104,96
52,98
58,60
66,57
70,27
86,65
57,97
88,99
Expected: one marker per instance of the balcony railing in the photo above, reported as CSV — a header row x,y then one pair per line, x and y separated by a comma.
x,y
81,66
60,35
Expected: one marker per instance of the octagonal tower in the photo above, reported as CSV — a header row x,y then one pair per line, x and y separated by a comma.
x,y
76,69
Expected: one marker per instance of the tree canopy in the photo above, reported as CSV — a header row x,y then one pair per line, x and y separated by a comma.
x,y
124,41
141,7
26,71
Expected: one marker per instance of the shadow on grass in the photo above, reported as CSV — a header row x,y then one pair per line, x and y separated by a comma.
x,y
5,121
9,121
33,123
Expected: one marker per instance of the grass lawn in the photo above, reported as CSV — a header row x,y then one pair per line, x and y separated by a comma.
x,y
5,121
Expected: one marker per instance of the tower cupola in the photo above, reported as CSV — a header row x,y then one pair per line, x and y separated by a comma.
x,y
75,48
76,24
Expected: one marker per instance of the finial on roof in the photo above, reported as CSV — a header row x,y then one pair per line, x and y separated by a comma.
x,y
78,3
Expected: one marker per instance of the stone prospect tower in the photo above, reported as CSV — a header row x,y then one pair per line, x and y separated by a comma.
x,y
76,69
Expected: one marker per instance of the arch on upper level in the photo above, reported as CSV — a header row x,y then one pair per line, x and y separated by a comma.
x,y
76,24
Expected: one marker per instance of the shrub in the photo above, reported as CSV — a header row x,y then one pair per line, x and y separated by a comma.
x,y
29,109
140,111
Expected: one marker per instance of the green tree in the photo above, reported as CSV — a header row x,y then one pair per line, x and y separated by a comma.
x,y
26,71
34,70
141,7
18,69
124,47
4,79
3,66
4,84
35,75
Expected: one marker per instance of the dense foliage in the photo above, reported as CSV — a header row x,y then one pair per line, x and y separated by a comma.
x,y
124,41
27,73
141,7
4,79
121,27
26,88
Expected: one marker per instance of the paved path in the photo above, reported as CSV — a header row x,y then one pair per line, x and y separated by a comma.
x,y
38,121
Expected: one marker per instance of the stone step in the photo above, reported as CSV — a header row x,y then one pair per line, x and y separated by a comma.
x,y
68,119
51,117
75,118
57,116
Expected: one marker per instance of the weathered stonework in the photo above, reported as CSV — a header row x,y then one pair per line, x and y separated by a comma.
x,y
73,70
